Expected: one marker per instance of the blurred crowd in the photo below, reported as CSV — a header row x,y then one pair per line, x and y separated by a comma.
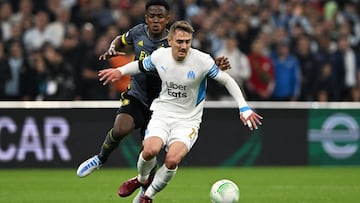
x,y
295,50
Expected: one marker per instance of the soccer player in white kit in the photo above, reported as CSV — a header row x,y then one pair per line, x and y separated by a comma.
x,y
178,110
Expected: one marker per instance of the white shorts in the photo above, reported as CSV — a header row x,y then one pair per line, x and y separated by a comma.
x,y
173,129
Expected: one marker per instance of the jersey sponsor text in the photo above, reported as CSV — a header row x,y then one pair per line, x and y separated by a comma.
x,y
176,90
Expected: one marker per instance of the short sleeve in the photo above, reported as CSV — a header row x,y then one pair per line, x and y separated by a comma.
x,y
128,37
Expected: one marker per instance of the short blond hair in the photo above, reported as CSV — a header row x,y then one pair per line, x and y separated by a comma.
x,y
181,25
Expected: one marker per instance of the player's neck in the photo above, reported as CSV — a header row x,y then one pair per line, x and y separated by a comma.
x,y
158,36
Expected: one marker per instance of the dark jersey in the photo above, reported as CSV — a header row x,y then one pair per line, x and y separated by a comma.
x,y
143,86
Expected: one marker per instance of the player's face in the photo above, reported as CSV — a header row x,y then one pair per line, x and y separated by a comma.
x,y
180,44
156,17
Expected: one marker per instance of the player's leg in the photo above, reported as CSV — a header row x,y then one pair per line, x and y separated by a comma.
x,y
147,116
167,171
129,117
180,142
146,162
155,138
123,125
147,158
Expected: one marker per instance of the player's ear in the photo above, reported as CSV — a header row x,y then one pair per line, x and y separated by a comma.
x,y
169,40
146,19
168,18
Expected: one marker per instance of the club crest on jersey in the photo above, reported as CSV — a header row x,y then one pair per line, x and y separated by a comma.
x,y
191,75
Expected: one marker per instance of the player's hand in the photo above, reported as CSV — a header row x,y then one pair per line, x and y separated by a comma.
x,y
109,75
111,52
251,119
223,63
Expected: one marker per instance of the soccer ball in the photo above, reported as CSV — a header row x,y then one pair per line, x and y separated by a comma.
x,y
224,191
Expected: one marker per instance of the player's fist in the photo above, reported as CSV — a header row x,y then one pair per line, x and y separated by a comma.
x,y
109,75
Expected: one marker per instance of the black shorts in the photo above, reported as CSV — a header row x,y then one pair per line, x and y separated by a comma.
x,y
141,114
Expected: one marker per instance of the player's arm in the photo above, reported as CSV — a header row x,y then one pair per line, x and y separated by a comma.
x,y
111,75
114,50
247,116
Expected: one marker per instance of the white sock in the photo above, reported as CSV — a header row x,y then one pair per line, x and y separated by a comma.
x,y
144,168
161,179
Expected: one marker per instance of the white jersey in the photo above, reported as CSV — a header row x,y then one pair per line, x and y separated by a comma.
x,y
183,82
183,87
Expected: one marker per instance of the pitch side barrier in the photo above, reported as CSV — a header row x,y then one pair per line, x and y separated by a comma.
x,y
63,134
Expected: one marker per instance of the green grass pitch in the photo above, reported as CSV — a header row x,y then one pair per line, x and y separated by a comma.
x,y
190,185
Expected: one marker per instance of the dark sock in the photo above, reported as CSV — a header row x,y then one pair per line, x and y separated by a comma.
x,y
109,144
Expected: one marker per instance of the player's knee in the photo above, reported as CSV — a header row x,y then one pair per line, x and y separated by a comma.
x,y
171,162
121,131
124,125
118,133
149,153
